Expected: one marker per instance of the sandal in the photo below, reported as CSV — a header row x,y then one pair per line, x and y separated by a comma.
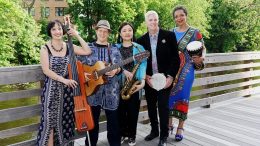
x,y
179,137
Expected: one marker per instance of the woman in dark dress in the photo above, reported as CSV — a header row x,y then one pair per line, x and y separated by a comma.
x,y
57,118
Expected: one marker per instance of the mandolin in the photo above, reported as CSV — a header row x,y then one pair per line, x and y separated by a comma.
x,y
98,70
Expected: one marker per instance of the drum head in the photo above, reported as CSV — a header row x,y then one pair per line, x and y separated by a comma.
x,y
158,81
194,45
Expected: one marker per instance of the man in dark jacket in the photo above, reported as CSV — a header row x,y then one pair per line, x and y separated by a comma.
x,y
164,59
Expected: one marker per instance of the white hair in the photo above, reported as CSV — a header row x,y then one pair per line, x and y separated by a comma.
x,y
147,14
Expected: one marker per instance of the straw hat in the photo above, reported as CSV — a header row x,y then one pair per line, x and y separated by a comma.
x,y
103,24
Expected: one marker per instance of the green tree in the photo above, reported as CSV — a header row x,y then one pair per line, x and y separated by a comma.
x,y
19,41
87,13
234,26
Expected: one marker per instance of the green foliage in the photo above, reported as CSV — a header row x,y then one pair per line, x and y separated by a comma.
x,y
118,11
234,26
89,12
43,25
19,41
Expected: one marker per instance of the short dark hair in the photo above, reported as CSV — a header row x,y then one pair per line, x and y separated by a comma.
x,y
51,24
180,8
119,39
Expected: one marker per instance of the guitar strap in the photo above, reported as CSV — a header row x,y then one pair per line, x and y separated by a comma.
x,y
138,49
108,52
183,42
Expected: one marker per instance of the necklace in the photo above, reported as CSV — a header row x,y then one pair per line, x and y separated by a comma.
x,y
56,50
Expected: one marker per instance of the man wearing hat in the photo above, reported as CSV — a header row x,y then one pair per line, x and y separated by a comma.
x,y
107,95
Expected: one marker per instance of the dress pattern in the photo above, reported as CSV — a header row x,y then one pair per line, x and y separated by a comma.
x,y
57,105
180,93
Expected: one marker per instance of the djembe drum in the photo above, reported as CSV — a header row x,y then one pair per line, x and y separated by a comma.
x,y
195,48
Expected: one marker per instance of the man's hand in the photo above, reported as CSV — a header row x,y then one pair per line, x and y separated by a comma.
x,y
148,80
169,81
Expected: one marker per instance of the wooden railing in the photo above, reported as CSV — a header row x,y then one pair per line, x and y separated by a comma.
x,y
226,76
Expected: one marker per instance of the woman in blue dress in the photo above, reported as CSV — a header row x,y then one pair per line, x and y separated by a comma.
x,y
180,93
57,118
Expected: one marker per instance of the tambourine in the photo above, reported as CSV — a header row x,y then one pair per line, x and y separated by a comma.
x,y
195,48
158,81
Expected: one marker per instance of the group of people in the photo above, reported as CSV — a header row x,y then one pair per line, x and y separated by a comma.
x,y
166,57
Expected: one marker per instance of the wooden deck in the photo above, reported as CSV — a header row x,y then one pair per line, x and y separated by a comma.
x,y
235,122
231,120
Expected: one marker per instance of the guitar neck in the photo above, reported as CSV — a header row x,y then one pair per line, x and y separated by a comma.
x,y
114,66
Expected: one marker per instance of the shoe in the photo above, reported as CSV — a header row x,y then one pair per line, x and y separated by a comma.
x,y
163,142
131,142
151,136
179,137
123,139
171,129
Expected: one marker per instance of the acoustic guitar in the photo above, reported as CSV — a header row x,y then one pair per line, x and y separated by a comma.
x,y
98,70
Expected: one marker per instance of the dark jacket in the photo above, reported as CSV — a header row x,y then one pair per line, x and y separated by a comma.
x,y
167,53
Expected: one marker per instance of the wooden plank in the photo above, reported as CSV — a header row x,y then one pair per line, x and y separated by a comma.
x,y
234,56
225,87
227,136
231,124
240,109
231,118
204,137
12,114
225,77
20,74
222,97
143,116
229,67
19,94
31,142
241,116
18,131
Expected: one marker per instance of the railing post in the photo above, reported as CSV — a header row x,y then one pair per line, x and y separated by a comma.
x,y
206,86
248,79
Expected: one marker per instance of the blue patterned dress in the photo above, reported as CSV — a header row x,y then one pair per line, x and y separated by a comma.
x,y
57,105
180,93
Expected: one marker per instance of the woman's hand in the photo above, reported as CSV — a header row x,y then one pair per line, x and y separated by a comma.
x,y
69,82
138,87
111,73
197,59
87,76
129,75
73,32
